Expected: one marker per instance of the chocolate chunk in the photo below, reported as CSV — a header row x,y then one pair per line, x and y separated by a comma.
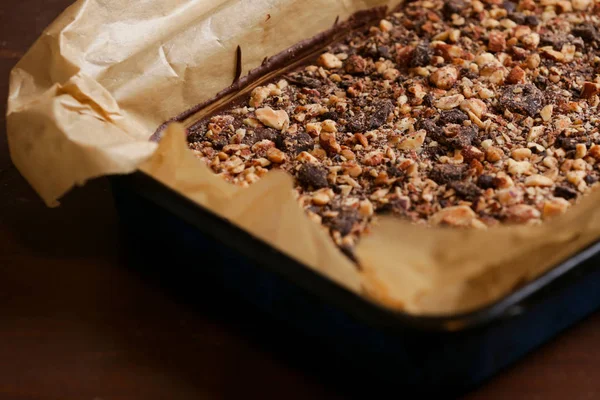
x,y
431,128
428,100
565,192
297,143
590,179
356,123
383,109
344,222
304,81
537,150
465,137
346,84
355,65
434,132
466,190
332,115
219,142
198,133
532,20
541,82
517,18
394,172
587,32
577,42
310,175
565,142
261,133
469,74
395,205
446,173
422,55
368,51
195,136
466,134
384,52
453,7
509,6
452,117
523,99
486,182
360,102
434,152
552,39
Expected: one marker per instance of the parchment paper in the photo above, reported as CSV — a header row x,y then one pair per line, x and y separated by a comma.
x,y
87,96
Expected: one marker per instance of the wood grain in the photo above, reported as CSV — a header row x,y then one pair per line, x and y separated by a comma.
x,y
78,320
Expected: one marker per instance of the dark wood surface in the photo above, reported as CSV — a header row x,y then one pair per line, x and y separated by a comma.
x,y
77,322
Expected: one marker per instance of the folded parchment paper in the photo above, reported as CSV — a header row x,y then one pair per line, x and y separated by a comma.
x,y
85,99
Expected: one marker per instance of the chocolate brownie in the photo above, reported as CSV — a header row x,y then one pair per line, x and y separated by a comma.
x,y
459,113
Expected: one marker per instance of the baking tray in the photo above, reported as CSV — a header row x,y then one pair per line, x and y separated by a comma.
x,y
452,353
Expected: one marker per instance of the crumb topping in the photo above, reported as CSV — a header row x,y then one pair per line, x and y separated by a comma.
x,y
461,113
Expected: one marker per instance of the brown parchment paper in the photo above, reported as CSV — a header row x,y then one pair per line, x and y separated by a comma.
x,y
90,92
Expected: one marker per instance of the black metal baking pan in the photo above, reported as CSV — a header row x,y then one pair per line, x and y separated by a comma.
x,y
451,353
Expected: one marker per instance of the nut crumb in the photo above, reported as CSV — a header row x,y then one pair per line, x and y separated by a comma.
x,y
274,119
329,61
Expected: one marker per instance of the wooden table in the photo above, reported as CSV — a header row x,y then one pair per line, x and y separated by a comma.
x,y
77,323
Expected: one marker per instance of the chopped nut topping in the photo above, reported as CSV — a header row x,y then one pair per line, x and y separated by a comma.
x,y
522,213
516,75
581,5
590,89
546,113
594,152
533,61
373,159
413,141
459,216
314,128
276,156
530,40
538,180
353,169
493,154
580,150
518,167
329,61
385,25
259,95
497,41
555,207
322,197
457,113
521,154
275,119
449,102
366,208
444,78
328,142
555,55
475,106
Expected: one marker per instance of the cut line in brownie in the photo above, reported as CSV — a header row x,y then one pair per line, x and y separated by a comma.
x,y
466,114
